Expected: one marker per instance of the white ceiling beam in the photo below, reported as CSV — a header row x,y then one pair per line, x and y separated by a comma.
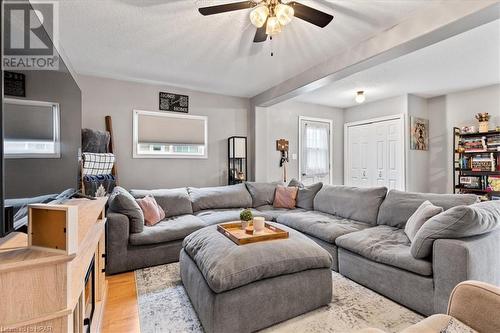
x,y
450,18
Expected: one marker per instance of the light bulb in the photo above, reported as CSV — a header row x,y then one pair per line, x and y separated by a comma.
x,y
360,97
258,16
284,13
273,26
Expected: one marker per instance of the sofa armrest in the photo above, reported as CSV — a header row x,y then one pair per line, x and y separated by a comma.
x,y
476,304
117,235
457,260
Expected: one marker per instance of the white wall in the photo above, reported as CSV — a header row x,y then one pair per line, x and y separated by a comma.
x,y
281,121
369,110
227,116
456,110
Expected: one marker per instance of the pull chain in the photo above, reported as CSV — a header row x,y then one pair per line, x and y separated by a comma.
x,y
272,44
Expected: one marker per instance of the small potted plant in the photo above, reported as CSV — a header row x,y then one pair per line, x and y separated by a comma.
x,y
245,216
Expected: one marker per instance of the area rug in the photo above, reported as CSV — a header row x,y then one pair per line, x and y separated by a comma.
x,y
165,307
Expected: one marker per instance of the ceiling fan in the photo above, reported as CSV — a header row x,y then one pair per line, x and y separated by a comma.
x,y
270,16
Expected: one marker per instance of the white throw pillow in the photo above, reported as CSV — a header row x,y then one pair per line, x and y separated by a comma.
x,y
421,215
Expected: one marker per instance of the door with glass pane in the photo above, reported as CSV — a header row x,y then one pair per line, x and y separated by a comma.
x,y
315,150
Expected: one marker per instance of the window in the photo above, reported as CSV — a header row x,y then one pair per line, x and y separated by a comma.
x,y
31,129
315,145
167,135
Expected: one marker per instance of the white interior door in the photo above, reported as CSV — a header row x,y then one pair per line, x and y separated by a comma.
x,y
375,154
315,150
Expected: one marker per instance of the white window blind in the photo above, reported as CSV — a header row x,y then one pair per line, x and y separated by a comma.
x,y
167,135
316,149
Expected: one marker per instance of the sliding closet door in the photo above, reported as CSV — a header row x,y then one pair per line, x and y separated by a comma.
x,y
375,153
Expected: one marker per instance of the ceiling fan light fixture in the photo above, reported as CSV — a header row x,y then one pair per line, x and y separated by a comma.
x,y
284,13
273,26
360,97
259,15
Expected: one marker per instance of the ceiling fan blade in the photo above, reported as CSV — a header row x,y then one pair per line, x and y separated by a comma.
x,y
260,34
226,8
311,15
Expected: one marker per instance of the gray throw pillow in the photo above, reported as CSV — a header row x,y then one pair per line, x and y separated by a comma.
x,y
421,215
121,201
262,193
456,222
306,194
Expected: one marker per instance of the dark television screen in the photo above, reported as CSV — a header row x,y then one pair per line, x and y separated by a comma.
x,y
41,137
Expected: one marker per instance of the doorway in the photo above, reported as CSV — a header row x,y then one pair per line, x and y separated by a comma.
x,y
315,150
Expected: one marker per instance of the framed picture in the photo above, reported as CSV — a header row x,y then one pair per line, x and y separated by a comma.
x,y
419,133
174,102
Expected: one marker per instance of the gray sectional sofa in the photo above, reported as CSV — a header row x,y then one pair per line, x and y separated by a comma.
x,y
362,229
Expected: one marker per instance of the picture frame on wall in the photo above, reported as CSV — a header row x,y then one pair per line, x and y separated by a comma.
x,y
174,102
419,133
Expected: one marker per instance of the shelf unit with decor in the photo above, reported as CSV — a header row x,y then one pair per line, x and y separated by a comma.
x,y
476,163
237,160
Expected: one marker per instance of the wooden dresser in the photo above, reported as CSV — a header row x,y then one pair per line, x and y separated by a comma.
x,y
43,290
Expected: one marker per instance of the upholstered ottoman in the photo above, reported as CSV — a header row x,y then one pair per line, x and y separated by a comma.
x,y
249,287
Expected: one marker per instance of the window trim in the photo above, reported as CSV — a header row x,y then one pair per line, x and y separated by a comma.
x,y
135,134
56,114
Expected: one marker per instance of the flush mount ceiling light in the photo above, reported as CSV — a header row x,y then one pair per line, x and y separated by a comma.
x,y
360,97
270,16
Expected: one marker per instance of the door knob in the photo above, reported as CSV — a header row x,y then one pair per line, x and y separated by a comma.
x,y
380,174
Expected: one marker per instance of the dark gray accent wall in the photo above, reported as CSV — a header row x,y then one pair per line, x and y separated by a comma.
x,y
32,177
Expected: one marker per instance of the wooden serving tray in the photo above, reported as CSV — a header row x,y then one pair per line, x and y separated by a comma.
x,y
233,231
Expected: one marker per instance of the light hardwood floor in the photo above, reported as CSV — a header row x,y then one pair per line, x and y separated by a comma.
x,y
121,313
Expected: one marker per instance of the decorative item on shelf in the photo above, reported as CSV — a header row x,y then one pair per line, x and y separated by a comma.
x,y
282,147
174,102
237,159
245,216
483,119
419,133
467,129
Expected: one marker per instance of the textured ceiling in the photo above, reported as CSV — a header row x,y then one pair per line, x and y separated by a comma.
x,y
465,61
168,41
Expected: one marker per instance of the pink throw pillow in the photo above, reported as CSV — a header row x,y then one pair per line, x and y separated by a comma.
x,y
285,197
153,213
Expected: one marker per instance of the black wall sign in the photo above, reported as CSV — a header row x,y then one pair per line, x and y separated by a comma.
x,y
14,84
174,102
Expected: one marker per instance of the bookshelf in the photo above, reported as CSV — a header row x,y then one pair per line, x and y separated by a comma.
x,y
476,163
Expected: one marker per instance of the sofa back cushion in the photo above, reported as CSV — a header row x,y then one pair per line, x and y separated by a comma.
x,y
174,202
398,206
232,196
356,203
121,201
456,222
262,193
306,195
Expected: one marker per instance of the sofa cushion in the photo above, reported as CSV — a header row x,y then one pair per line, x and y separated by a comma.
x,y
457,222
226,266
274,212
360,204
173,201
305,197
153,213
216,216
262,193
321,225
285,197
385,245
169,230
232,196
398,206
421,215
121,201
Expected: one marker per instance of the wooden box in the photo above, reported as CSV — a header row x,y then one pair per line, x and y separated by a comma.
x,y
53,227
